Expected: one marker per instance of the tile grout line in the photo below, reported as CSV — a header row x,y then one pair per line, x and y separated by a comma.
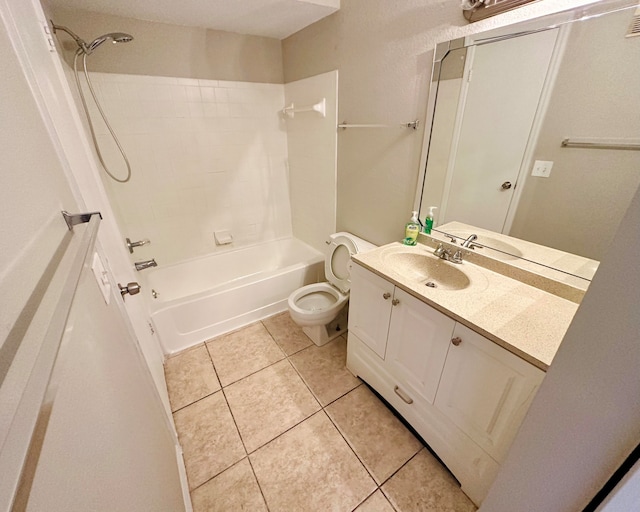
x,y
322,408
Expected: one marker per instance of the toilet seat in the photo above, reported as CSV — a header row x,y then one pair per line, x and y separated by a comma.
x,y
320,308
337,264
315,304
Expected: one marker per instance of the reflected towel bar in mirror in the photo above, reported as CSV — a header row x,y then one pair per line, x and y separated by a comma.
x,y
600,144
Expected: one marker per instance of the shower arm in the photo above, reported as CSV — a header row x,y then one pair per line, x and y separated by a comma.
x,y
79,41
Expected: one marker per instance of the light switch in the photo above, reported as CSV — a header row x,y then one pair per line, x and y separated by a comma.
x,y
101,277
542,168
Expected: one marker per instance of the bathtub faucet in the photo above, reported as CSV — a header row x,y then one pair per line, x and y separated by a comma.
x,y
141,265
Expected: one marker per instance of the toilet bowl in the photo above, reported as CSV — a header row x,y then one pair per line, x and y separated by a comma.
x,y
320,308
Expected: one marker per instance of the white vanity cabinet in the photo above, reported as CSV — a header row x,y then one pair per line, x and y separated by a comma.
x,y
465,395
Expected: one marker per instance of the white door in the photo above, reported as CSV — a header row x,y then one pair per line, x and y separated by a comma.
x,y
495,127
370,308
108,445
486,390
418,344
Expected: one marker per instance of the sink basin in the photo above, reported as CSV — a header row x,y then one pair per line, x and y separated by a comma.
x,y
435,272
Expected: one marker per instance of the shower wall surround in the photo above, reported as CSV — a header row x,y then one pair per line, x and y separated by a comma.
x,y
206,155
313,152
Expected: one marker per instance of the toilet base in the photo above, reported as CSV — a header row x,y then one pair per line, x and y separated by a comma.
x,y
323,334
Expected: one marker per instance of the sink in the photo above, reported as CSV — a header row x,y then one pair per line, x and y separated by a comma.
x,y
435,272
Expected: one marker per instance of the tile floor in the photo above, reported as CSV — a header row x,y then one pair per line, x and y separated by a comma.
x,y
270,422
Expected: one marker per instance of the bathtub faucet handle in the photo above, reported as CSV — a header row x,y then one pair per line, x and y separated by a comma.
x,y
141,265
131,245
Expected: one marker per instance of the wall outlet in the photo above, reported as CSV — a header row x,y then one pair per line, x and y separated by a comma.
x,y
542,168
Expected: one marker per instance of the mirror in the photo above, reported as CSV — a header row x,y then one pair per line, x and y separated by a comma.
x,y
501,105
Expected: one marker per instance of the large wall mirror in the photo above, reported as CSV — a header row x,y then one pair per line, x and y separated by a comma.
x,y
536,130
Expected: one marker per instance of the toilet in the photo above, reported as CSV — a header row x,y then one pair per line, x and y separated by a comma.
x,y
320,308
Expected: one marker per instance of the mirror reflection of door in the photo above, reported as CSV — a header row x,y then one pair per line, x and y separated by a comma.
x,y
502,86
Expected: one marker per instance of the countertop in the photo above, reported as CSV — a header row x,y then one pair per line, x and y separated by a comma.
x,y
525,320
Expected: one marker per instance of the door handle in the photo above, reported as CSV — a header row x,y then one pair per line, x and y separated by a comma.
x,y
456,341
506,185
131,288
386,295
395,302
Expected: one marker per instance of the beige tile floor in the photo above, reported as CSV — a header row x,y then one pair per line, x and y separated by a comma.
x,y
270,422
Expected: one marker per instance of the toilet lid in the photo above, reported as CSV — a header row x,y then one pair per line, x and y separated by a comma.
x,y
337,265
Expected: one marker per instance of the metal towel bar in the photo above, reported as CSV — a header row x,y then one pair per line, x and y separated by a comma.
x,y
413,124
601,144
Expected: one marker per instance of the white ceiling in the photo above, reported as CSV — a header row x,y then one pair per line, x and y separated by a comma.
x,y
269,18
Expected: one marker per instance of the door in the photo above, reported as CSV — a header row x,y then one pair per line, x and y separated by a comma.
x,y
108,445
370,308
418,343
486,390
495,126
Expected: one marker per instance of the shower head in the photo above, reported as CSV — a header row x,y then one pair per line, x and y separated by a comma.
x,y
114,37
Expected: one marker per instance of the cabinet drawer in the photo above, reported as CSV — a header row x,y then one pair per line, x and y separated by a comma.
x,y
486,390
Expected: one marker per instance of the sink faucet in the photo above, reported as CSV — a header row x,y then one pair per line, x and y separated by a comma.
x,y
141,265
468,243
446,254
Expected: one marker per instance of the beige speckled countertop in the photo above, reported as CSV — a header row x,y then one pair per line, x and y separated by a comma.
x,y
524,319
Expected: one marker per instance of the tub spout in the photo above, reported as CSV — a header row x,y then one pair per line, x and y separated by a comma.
x,y
141,265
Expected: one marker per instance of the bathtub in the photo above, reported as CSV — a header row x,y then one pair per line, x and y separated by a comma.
x,y
202,298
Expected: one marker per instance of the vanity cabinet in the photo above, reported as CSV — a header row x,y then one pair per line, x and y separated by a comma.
x,y
465,395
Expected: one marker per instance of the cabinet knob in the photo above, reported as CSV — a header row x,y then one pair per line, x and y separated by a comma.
x,y
395,302
386,295
456,341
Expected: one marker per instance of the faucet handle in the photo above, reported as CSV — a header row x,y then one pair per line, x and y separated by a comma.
x,y
440,250
130,245
457,257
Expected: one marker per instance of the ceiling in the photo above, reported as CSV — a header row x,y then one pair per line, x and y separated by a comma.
x,y
269,18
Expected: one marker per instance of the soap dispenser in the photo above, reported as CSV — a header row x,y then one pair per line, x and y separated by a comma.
x,y
428,220
411,230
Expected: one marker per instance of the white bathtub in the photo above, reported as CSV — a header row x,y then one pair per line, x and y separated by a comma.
x,y
205,297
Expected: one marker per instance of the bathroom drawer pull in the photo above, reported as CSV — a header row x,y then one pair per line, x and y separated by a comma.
x,y
456,341
401,394
385,296
395,302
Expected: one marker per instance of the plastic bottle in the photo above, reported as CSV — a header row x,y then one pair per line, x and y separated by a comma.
x,y
428,220
411,230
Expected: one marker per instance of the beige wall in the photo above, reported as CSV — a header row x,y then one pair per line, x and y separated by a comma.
x,y
161,49
383,52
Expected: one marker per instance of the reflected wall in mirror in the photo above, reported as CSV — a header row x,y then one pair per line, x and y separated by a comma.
x,y
504,105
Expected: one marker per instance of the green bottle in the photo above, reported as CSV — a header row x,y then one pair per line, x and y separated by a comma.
x,y
428,220
411,230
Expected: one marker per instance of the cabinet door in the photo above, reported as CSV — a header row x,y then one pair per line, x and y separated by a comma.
x,y
486,390
370,308
417,348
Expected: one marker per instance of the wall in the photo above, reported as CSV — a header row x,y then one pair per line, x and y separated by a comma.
x,y
206,156
595,96
585,419
383,52
171,50
312,149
